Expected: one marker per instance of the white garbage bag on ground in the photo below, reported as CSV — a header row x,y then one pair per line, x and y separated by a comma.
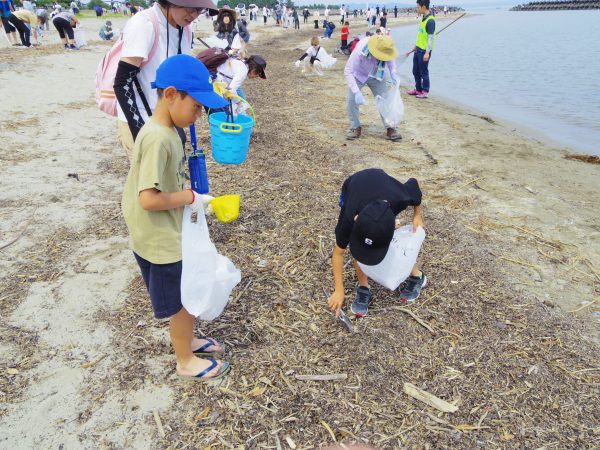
x,y
79,33
207,277
399,259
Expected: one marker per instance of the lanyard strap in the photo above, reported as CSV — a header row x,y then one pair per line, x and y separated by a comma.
x,y
193,138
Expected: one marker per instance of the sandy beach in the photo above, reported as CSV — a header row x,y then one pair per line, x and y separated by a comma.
x,y
506,330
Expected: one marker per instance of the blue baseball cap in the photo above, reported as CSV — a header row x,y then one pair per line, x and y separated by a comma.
x,y
186,73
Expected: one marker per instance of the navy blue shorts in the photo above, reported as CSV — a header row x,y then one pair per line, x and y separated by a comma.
x,y
163,282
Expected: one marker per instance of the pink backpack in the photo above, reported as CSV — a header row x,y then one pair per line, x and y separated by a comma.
x,y
107,69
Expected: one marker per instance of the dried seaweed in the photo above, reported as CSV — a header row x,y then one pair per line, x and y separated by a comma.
x,y
520,373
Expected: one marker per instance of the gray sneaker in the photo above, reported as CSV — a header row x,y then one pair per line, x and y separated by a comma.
x,y
353,133
412,289
360,305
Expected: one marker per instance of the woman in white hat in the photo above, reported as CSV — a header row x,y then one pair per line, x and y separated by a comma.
x,y
143,51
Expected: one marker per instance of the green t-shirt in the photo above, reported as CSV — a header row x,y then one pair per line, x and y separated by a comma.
x,y
157,163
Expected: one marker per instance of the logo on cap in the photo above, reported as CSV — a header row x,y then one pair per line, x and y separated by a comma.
x,y
368,241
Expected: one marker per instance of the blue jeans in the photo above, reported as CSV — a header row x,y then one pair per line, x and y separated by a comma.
x,y
421,70
377,87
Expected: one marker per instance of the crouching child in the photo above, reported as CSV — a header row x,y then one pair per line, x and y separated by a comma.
x,y
153,201
369,202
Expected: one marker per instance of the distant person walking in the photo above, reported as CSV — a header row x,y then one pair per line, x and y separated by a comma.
x,y
316,19
395,12
422,51
344,35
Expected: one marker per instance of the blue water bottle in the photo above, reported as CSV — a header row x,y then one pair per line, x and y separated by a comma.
x,y
197,165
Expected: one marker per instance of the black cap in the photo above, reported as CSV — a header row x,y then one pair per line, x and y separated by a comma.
x,y
261,63
372,233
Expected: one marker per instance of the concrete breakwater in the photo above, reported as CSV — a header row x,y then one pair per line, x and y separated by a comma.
x,y
558,5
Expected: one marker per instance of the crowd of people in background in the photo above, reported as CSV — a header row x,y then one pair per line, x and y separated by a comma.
x,y
29,22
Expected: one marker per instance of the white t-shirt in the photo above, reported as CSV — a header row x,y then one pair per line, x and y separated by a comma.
x,y
138,38
233,72
214,41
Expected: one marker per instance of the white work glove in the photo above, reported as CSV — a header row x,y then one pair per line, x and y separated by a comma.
x,y
358,98
297,63
201,201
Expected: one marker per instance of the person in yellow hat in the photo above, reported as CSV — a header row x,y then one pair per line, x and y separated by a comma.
x,y
370,64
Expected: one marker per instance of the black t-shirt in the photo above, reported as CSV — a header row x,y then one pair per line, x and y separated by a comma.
x,y
367,186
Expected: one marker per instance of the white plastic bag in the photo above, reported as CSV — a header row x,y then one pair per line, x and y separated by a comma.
x,y
390,106
327,61
399,259
79,34
207,277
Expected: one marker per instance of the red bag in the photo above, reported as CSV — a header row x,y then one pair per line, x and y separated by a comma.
x,y
212,58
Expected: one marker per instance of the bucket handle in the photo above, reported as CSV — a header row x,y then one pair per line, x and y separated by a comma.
x,y
227,127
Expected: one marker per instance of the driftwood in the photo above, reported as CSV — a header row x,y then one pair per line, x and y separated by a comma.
x,y
429,399
330,377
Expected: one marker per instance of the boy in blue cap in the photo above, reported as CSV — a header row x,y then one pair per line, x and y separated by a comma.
x,y
369,202
153,201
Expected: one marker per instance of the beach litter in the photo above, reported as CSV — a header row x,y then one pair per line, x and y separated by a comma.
x,y
345,321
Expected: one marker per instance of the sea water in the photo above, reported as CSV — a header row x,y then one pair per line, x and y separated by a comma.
x,y
540,70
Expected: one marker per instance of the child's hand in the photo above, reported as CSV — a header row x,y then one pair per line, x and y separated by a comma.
x,y
229,94
201,202
297,63
206,199
418,222
336,301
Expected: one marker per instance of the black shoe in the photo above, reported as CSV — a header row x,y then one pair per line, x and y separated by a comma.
x,y
360,305
412,289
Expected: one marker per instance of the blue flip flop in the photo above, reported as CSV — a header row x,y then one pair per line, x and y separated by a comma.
x,y
209,343
220,374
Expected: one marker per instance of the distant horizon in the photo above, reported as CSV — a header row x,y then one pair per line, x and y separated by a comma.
x,y
466,4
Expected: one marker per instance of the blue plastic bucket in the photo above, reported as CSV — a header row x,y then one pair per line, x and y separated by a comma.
x,y
230,141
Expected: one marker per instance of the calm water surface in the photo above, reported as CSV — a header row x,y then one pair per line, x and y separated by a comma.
x,y
538,69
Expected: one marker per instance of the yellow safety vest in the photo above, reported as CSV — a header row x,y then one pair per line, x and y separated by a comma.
x,y
422,37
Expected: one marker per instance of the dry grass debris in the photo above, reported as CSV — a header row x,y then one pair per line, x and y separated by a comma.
x,y
521,374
